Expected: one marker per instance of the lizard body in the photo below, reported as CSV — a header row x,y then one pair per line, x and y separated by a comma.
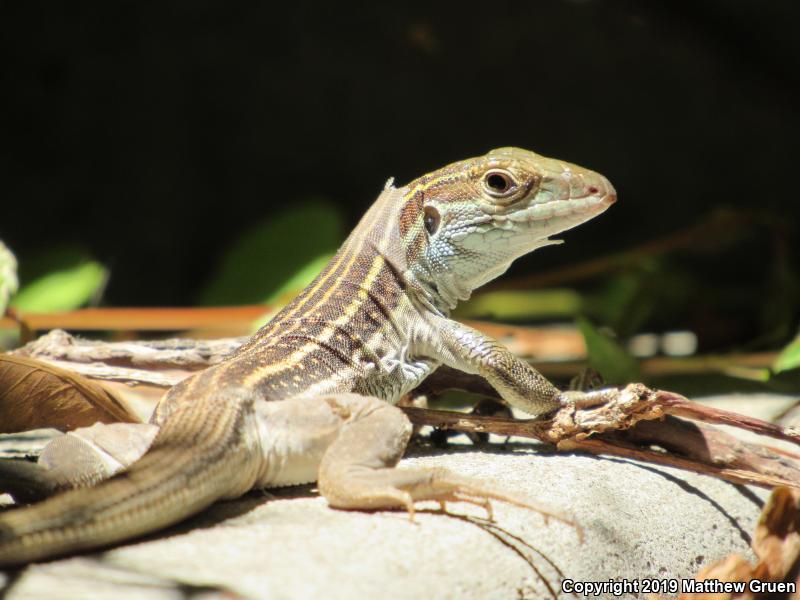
x,y
310,396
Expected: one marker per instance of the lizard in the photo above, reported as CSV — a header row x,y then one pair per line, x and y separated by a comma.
x,y
312,395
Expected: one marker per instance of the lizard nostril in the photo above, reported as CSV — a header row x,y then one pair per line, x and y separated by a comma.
x,y
592,190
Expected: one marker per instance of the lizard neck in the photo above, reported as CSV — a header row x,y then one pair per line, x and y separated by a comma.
x,y
437,297
381,232
389,230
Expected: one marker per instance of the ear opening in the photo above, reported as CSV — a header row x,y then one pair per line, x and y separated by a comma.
x,y
431,219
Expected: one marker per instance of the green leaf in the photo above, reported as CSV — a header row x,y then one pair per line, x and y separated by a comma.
x,y
521,305
789,358
8,276
65,289
300,280
779,301
280,254
607,356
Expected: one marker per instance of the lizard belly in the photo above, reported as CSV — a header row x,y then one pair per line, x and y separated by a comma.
x,y
294,434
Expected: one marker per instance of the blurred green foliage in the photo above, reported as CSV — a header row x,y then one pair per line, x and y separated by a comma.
x,y
628,300
278,256
607,356
521,305
789,358
60,278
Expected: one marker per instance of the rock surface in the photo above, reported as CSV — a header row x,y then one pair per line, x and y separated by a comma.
x,y
640,521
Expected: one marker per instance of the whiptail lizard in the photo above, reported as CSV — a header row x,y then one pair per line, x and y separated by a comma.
x,y
370,328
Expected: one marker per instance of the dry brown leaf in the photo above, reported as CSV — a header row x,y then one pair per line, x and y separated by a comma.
x,y
34,394
777,539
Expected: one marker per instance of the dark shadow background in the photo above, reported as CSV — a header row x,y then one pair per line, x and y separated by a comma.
x,y
157,132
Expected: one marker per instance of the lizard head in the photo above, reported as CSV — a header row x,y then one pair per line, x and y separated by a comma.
x,y
467,222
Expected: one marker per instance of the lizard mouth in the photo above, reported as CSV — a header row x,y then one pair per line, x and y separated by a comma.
x,y
566,202
554,209
584,206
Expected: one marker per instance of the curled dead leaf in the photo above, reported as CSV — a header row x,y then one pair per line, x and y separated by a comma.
x,y
35,394
777,538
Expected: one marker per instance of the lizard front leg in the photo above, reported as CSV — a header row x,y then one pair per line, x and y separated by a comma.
x,y
466,349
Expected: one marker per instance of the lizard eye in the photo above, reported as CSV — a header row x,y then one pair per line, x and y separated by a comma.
x,y
499,183
431,220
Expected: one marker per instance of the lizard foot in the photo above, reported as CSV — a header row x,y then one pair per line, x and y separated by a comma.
x,y
403,488
579,400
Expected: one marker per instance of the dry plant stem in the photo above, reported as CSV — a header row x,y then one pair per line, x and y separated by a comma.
x,y
634,419
711,450
679,406
749,476
161,363
137,319
158,354
700,442
757,473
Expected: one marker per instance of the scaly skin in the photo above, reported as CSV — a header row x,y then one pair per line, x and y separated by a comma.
x,y
372,326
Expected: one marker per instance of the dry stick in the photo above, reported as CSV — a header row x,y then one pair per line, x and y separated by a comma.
x,y
740,476
683,407
632,420
137,319
189,354
599,445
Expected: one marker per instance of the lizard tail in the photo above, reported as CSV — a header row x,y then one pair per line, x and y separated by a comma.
x,y
204,451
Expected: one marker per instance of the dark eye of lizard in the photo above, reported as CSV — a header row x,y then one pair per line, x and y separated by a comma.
x,y
431,220
498,183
